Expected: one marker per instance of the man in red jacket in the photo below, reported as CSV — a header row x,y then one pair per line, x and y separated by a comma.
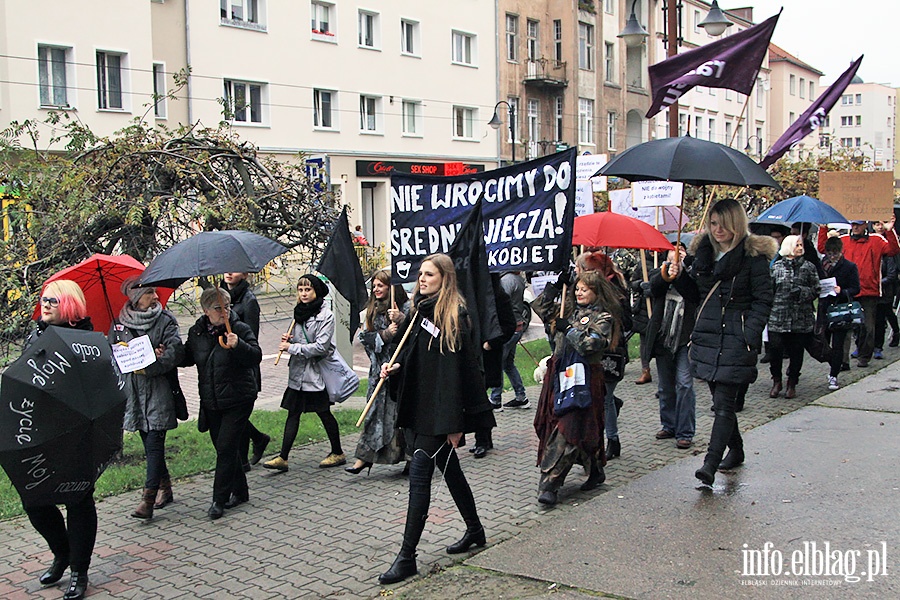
x,y
867,251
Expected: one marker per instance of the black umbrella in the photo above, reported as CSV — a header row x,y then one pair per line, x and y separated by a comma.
x,y
61,412
211,253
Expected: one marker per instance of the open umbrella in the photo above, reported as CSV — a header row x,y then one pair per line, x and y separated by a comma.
x,y
617,231
803,209
61,411
100,277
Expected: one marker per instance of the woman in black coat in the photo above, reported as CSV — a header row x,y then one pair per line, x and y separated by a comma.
x,y
227,382
846,278
440,388
731,272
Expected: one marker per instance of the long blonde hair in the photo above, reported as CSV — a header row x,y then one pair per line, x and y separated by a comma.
x,y
732,217
449,301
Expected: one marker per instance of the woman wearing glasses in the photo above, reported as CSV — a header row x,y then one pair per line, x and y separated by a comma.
x,y
226,366
71,539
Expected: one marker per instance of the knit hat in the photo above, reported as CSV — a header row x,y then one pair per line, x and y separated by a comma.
x,y
133,291
317,285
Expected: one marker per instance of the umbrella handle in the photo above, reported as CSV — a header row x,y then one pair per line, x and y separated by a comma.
x,y
222,337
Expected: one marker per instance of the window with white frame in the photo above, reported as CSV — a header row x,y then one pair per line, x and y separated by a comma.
x,y
741,142
698,127
760,94
109,80
858,142
159,90
325,109
609,7
533,39
463,122
846,121
560,107
792,85
729,129
712,130
53,74
243,13
858,120
611,118
847,142
369,30
803,87
697,20
729,95
409,37
812,90
512,38
759,141
412,118
610,70
585,46
586,121
322,20
244,101
369,114
514,116
846,99
858,99
557,40
791,118
463,48
682,124
534,126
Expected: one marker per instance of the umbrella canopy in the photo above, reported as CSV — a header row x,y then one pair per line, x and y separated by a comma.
x,y
617,231
211,253
100,278
61,421
804,209
686,238
688,160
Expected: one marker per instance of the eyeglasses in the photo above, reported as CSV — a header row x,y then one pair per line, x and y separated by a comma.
x,y
221,309
51,302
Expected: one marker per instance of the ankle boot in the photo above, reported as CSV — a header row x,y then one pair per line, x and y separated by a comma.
x,y
734,458
707,473
776,388
645,377
77,586
791,389
145,508
613,449
594,480
164,496
471,538
404,566
55,572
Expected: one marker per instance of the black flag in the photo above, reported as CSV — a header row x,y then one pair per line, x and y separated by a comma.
x,y
473,278
340,265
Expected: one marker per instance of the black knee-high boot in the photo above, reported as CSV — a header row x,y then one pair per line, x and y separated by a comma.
x,y
465,502
723,428
420,471
735,456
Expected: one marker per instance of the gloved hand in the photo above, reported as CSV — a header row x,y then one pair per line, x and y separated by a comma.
x,y
562,324
565,278
645,288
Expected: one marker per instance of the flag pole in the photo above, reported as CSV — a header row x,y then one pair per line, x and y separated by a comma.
x,y
389,365
646,278
289,331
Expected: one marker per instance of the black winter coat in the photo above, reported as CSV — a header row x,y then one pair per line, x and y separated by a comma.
x,y
727,336
225,377
846,276
659,287
493,358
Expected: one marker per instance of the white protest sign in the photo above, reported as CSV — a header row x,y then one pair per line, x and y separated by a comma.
x,y
539,282
138,354
584,198
588,164
620,202
657,193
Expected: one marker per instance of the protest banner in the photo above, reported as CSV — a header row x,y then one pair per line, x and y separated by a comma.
x,y
866,195
528,212
656,193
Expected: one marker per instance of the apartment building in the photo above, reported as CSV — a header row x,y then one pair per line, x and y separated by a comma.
x,y
794,86
863,122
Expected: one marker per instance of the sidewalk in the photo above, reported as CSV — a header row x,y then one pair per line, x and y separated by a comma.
x,y
818,474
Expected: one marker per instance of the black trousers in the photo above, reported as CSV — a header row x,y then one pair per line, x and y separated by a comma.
x,y
75,541
725,431
253,434
792,345
884,316
155,451
226,429
838,338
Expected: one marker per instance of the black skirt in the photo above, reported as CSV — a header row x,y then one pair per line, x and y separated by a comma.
x,y
300,401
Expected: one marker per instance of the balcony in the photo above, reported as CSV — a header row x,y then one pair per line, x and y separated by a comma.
x,y
546,73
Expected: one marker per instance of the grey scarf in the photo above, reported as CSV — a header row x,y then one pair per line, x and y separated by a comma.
x,y
139,320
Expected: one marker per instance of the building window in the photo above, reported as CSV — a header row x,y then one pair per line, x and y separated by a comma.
x,y
812,90
682,123
846,99
846,121
369,30
109,80
858,142
859,120
53,73
557,40
610,62
463,48
858,99
698,127
586,121
242,13
369,114
729,95
534,127
243,101
321,20
712,130
412,118
609,7
513,101
793,85
741,142
759,141
759,97
729,129
463,122
791,118
409,37
611,130
560,106
803,88
325,109
512,38
159,90
847,142
586,46
533,39
697,20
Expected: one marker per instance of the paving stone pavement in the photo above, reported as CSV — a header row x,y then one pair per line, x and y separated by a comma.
x,y
323,533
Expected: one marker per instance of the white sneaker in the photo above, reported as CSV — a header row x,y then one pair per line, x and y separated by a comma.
x,y
832,383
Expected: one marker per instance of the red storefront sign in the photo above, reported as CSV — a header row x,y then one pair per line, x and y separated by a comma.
x,y
384,168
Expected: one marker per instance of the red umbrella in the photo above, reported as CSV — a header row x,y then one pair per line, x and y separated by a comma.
x,y
100,277
617,231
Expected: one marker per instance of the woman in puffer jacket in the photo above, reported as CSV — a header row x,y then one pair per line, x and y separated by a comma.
x,y
731,272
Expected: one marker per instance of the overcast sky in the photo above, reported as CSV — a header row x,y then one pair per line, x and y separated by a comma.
x,y
830,34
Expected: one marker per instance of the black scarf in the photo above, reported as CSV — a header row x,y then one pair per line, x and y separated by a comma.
x,y
238,291
302,312
725,268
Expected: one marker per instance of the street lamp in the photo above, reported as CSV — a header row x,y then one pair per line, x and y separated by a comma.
x,y
495,122
715,22
748,149
634,33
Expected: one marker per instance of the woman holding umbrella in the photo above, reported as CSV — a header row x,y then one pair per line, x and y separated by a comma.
x,y
226,364
731,273
150,408
71,539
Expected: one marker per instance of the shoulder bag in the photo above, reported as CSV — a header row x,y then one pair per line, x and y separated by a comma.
x,y
572,384
341,381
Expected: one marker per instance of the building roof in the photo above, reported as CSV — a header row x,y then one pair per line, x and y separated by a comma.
x,y
777,54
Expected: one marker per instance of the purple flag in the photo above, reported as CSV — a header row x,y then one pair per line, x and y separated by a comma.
x,y
732,63
810,120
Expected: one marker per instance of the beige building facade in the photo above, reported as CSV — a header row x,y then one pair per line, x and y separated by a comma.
x,y
795,86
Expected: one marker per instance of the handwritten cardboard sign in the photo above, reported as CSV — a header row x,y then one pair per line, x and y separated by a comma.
x,y
656,193
138,354
864,195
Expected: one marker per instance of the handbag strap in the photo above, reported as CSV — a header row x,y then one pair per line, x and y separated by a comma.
x,y
708,296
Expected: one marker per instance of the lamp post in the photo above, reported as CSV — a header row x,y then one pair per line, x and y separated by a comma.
x,y
748,149
634,34
495,122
